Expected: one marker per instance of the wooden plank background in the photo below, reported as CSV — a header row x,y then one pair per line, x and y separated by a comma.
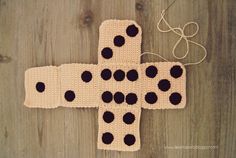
x,y
53,32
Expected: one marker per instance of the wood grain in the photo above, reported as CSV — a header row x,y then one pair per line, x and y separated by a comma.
x,y
41,32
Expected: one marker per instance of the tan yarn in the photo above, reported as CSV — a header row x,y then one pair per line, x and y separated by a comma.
x,y
118,122
182,37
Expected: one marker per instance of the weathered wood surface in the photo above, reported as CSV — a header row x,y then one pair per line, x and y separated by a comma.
x,y
42,32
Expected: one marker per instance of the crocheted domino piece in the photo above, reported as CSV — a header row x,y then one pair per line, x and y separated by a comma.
x,y
42,87
119,42
163,85
119,85
79,85
119,128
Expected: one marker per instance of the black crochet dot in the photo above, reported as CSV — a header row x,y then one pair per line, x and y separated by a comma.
x,y
119,97
86,76
151,97
175,98
107,96
40,87
106,74
132,30
132,75
69,95
151,71
176,71
107,53
107,138
119,41
131,98
108,117
129,139
164,85
119,75
128,118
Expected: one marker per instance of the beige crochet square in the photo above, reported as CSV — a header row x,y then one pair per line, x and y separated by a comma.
x,y
119,128
119,42
120,87
42,87
79,85
163,85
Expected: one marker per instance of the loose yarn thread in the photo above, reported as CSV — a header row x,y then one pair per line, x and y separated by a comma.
x,y
182,36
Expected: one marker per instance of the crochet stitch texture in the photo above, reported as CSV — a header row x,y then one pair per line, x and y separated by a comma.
x,y
119,85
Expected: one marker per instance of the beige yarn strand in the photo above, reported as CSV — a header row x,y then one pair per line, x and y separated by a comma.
x,y
182,36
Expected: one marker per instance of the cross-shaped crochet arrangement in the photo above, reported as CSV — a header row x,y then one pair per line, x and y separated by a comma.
x,y
119,85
